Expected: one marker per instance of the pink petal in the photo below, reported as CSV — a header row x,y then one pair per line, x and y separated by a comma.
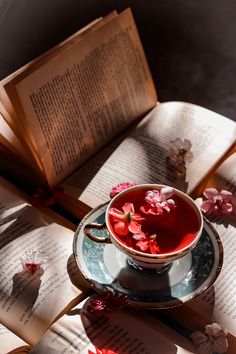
x,y
188,157
121,228
209,193
146,209
166,193
220,345
137,217
120,187
227,208
207,206
177,143
117,213
143,245
226,195
154,248
134,227
205,348
187,144
128,207
139,236
214,329
199,337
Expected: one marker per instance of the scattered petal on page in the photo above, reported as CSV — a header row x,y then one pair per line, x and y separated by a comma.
x,y
107,301
212,340
158,201
33,260
126,221
217,203
120,187
180,152
47,197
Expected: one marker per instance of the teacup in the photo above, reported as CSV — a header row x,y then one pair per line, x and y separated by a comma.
x,y
152,224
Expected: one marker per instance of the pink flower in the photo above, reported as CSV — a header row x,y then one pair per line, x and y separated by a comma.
x,y
158,201
33,260
180,153
148,244
107,302
213,339
47,197
120,187
217,202
127,221
101,351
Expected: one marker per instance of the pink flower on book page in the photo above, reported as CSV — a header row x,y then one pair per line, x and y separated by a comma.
x,y
126,221
120,187
33,260
101,351
107,302
212,340
47,197
179,153
158,201
217,202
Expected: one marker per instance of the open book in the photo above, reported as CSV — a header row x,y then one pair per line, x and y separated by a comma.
x,y
120,331
30,301
77,117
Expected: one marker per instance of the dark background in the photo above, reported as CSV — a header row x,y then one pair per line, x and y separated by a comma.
x,y
190,44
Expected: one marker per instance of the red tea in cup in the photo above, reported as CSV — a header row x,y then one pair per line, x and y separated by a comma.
x,y
151,224
163,223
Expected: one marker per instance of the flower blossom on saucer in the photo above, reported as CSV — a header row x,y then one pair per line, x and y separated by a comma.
x,y
126,221
217,202
212,340
158,201
179,153
107,301
33,260
120,187
101,351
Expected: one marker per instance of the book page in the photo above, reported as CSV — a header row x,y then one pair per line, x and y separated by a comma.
x,y
79,99
142,157
31,301
11,116
219,303
10,343
121,331
8,138
13,138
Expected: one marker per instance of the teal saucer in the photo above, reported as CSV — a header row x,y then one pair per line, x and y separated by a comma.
x,y
107,269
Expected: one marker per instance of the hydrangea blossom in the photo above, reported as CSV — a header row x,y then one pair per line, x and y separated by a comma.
x,y
212,340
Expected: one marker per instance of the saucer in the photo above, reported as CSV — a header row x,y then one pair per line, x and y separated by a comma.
x,y
107,269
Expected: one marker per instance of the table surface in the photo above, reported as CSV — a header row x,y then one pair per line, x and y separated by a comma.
x,y
190,45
